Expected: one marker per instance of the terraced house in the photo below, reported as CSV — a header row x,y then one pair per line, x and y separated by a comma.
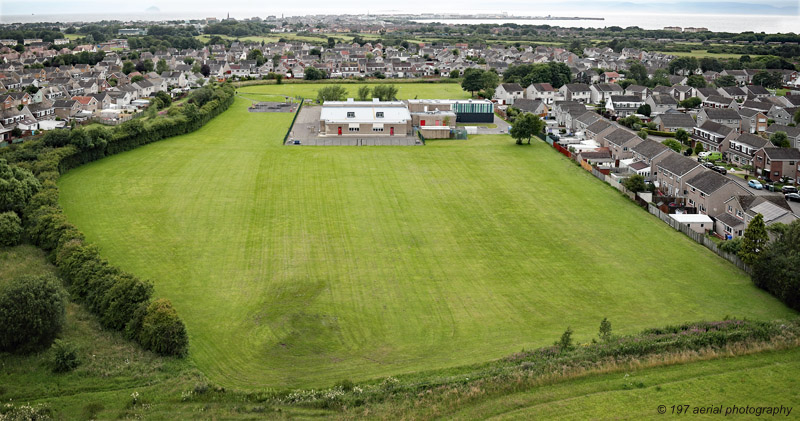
x,y
713,136
742,148
673,171
708,191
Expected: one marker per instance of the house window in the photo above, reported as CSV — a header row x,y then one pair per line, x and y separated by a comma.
x,y
738,213
379,114
351,114
377,129
730,209
728,229
352,129
791,162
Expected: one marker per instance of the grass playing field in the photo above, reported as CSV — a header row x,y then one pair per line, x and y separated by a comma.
x,y
404,90
302,266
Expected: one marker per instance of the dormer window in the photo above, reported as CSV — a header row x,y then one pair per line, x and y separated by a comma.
x,y
379,114
351,114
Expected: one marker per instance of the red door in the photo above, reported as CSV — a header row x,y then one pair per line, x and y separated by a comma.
x,y
340,131
422,122
391,131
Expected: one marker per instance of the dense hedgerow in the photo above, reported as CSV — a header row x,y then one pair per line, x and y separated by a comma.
x,y
32,313
10,229
119,299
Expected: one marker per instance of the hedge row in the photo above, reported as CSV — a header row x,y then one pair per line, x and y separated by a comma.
x,y
119,299
658,133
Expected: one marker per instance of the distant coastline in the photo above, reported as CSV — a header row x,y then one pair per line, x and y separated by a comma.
x,y
500,18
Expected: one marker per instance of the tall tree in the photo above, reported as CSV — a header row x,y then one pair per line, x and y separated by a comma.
x,y
780,139
526,125
755,239
472,81
696,81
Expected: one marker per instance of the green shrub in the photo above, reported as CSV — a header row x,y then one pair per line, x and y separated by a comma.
x,y
10,229
122,299
65,357
17,186
31,313
162,331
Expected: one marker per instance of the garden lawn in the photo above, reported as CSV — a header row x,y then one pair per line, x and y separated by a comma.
x,y
404,90
302,266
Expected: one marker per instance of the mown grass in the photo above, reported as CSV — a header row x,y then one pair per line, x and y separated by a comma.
x,y
703,53
298,267
404,90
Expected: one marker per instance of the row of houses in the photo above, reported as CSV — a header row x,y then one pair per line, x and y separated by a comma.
x,y
682,179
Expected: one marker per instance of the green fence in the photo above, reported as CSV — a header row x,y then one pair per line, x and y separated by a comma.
x,y
289,131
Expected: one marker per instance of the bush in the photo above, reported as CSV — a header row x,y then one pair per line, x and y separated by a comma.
x,y
162,331
65,357
10,229
31,313
17,186
732,246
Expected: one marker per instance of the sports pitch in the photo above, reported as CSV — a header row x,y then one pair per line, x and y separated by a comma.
x,y
303,266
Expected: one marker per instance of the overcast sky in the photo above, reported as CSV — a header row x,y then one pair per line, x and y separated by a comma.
x,y
240,8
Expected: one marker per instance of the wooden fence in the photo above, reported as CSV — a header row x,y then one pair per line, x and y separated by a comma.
x,y
694,235
699,238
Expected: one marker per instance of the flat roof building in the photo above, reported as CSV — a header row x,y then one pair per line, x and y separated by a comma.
x,y
364,118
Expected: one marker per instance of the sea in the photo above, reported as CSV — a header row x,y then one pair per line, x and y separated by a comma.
x,y
717,23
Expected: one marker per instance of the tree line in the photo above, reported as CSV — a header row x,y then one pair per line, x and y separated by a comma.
x,y
28,189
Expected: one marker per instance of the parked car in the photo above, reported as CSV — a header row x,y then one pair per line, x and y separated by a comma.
x,y
794,197
708,164
755,184
720,169
789,189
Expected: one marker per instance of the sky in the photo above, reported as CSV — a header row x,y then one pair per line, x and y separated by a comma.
x,y
241,9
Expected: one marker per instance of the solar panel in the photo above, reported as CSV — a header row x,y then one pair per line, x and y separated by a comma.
x,y
769,210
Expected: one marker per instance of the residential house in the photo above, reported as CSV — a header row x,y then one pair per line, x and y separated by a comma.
x,y
649,153
673,171
708,190
623,105
641,91
576,92
533,106
66,108
87,103
592,131
601,92
620,142
741,209
753,121
725,116
783,116
713,136
719,101
507,93
673,121
43,110
543,92
585,120
735,92
776,163
742,148
660,104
